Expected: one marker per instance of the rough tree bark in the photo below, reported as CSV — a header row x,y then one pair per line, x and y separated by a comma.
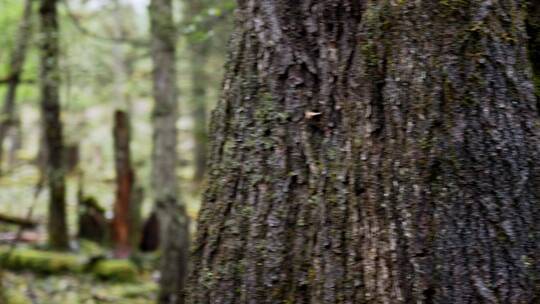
x,y
125,179
373,152
18,57
533,30
174,224
52,124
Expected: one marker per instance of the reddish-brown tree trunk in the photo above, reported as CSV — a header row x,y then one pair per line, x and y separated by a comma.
x,y
124,186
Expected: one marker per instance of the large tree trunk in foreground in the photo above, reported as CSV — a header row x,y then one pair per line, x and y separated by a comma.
x,y
379,154
533,29
18,57
174,224
52,124
125,180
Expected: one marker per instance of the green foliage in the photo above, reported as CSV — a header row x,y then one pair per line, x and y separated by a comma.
x,y
201,18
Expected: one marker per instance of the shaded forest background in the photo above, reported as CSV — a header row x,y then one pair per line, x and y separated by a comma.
x,y
105,66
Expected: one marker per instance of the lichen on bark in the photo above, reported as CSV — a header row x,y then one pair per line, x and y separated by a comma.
x,y
373,152
533,30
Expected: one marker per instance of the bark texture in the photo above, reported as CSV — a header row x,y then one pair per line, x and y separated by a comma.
x,y
18,57
173,221
52,124
373,152
125,180
533,29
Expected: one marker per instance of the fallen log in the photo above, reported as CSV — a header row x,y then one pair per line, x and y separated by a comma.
x,y
29,237
19,221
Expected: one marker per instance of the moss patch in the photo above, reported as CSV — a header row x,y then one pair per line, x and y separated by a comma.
x,y
16,297
47,262
40,261
115,270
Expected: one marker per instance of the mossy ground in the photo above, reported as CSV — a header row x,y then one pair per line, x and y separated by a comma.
x,y
115,270
75,289
40,261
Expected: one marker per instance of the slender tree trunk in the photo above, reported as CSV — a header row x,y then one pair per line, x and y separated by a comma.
x,y
18,57
373,152
199,50
3,299
52,124
174,234
121,228
199,82
15,136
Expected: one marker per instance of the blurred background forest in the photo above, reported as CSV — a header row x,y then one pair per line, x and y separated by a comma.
x,y
105,65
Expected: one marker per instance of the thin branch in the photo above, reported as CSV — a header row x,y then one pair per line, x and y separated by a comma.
x,y
9,79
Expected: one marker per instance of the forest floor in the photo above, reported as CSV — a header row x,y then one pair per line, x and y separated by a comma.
x,y
17,199
30,288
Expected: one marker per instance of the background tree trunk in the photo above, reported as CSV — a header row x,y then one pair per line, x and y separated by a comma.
x,y
385,152
15,136
52,124
174,224
199,51
93,224
199,79
18,57
125,179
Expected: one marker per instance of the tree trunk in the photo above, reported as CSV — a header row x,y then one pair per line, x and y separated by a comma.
x,y
199,82
18,57
15,136
121,228
174,234
150,234
93,224
52,124
533,30
381,152
199,51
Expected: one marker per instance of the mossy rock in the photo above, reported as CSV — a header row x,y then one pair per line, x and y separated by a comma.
x,y
115,270
39,261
